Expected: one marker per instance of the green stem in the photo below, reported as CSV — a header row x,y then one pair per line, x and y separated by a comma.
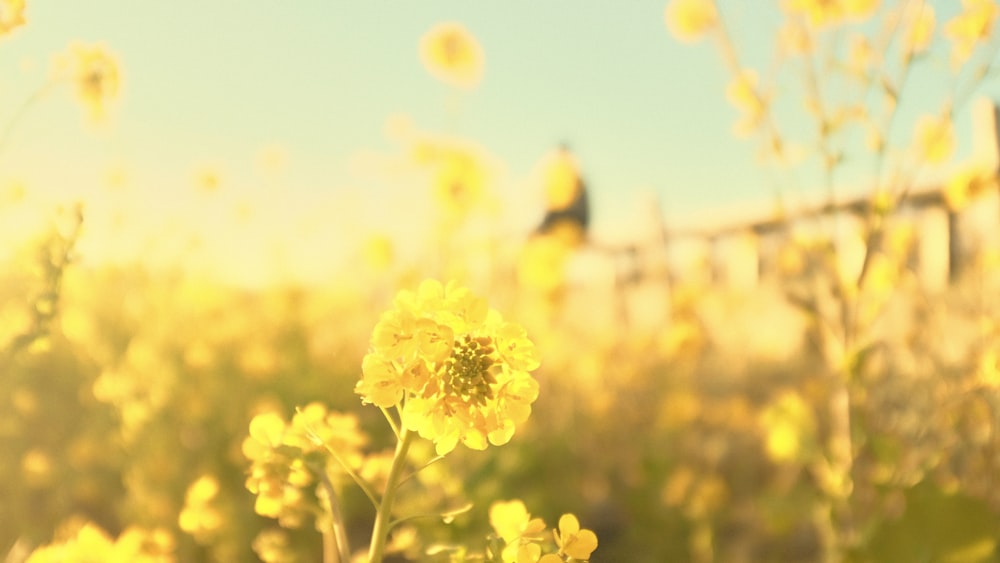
x,y
336,548
380,532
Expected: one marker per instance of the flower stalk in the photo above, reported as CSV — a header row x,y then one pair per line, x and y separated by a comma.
x,y
380,531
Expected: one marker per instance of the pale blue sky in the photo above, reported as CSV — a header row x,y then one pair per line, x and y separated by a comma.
x,y
215,82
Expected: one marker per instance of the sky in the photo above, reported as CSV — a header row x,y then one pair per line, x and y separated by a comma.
x,y
316,84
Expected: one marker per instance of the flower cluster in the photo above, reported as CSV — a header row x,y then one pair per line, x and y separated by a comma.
x,y
92,544
95,74
452,54
523,536
285,458
457,370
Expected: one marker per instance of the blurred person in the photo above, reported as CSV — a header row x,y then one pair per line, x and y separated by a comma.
x,y
567,211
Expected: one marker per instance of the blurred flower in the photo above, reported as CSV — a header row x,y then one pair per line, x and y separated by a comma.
x,y
542,263
742,93
934,138
573,541
968,184
519,531
450,53
974,24
208,180
825,12
459,369
12,192
378,253
277,474
314,429
988,372
95,73
459,174
919,22
689,20
790,427
91,544
794,38
273,546
11,15
199,517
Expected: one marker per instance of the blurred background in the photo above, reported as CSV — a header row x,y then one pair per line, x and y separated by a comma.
x,y
757,248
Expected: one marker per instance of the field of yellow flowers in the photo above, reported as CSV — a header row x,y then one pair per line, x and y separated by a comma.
x,y
459,402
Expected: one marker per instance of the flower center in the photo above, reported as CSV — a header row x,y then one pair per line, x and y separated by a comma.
x,y
467,372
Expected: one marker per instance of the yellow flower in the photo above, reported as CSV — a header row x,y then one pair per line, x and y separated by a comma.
x,y
459,370
988,373
858,9
790,427
817,12
459,174
450,53
825,12
919,29
94,72
968,184
794,38
934,138
689,20
11,15
519,531
277,473
199,517
91,544
743,94
573,541
379,253
974,24
542,263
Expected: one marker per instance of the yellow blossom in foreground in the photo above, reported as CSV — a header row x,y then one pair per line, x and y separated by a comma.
x,y
689,20
11,15
573,541
450,53
519,531
934,139
457,369
95,74
92,545
974,24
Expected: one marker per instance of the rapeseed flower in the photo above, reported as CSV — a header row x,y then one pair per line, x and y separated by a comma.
x,y
95,74
689,20
934,138
974,24
11,15
919,29
455,368
520,532
91,544
824,12
743,93
573,541
449,52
